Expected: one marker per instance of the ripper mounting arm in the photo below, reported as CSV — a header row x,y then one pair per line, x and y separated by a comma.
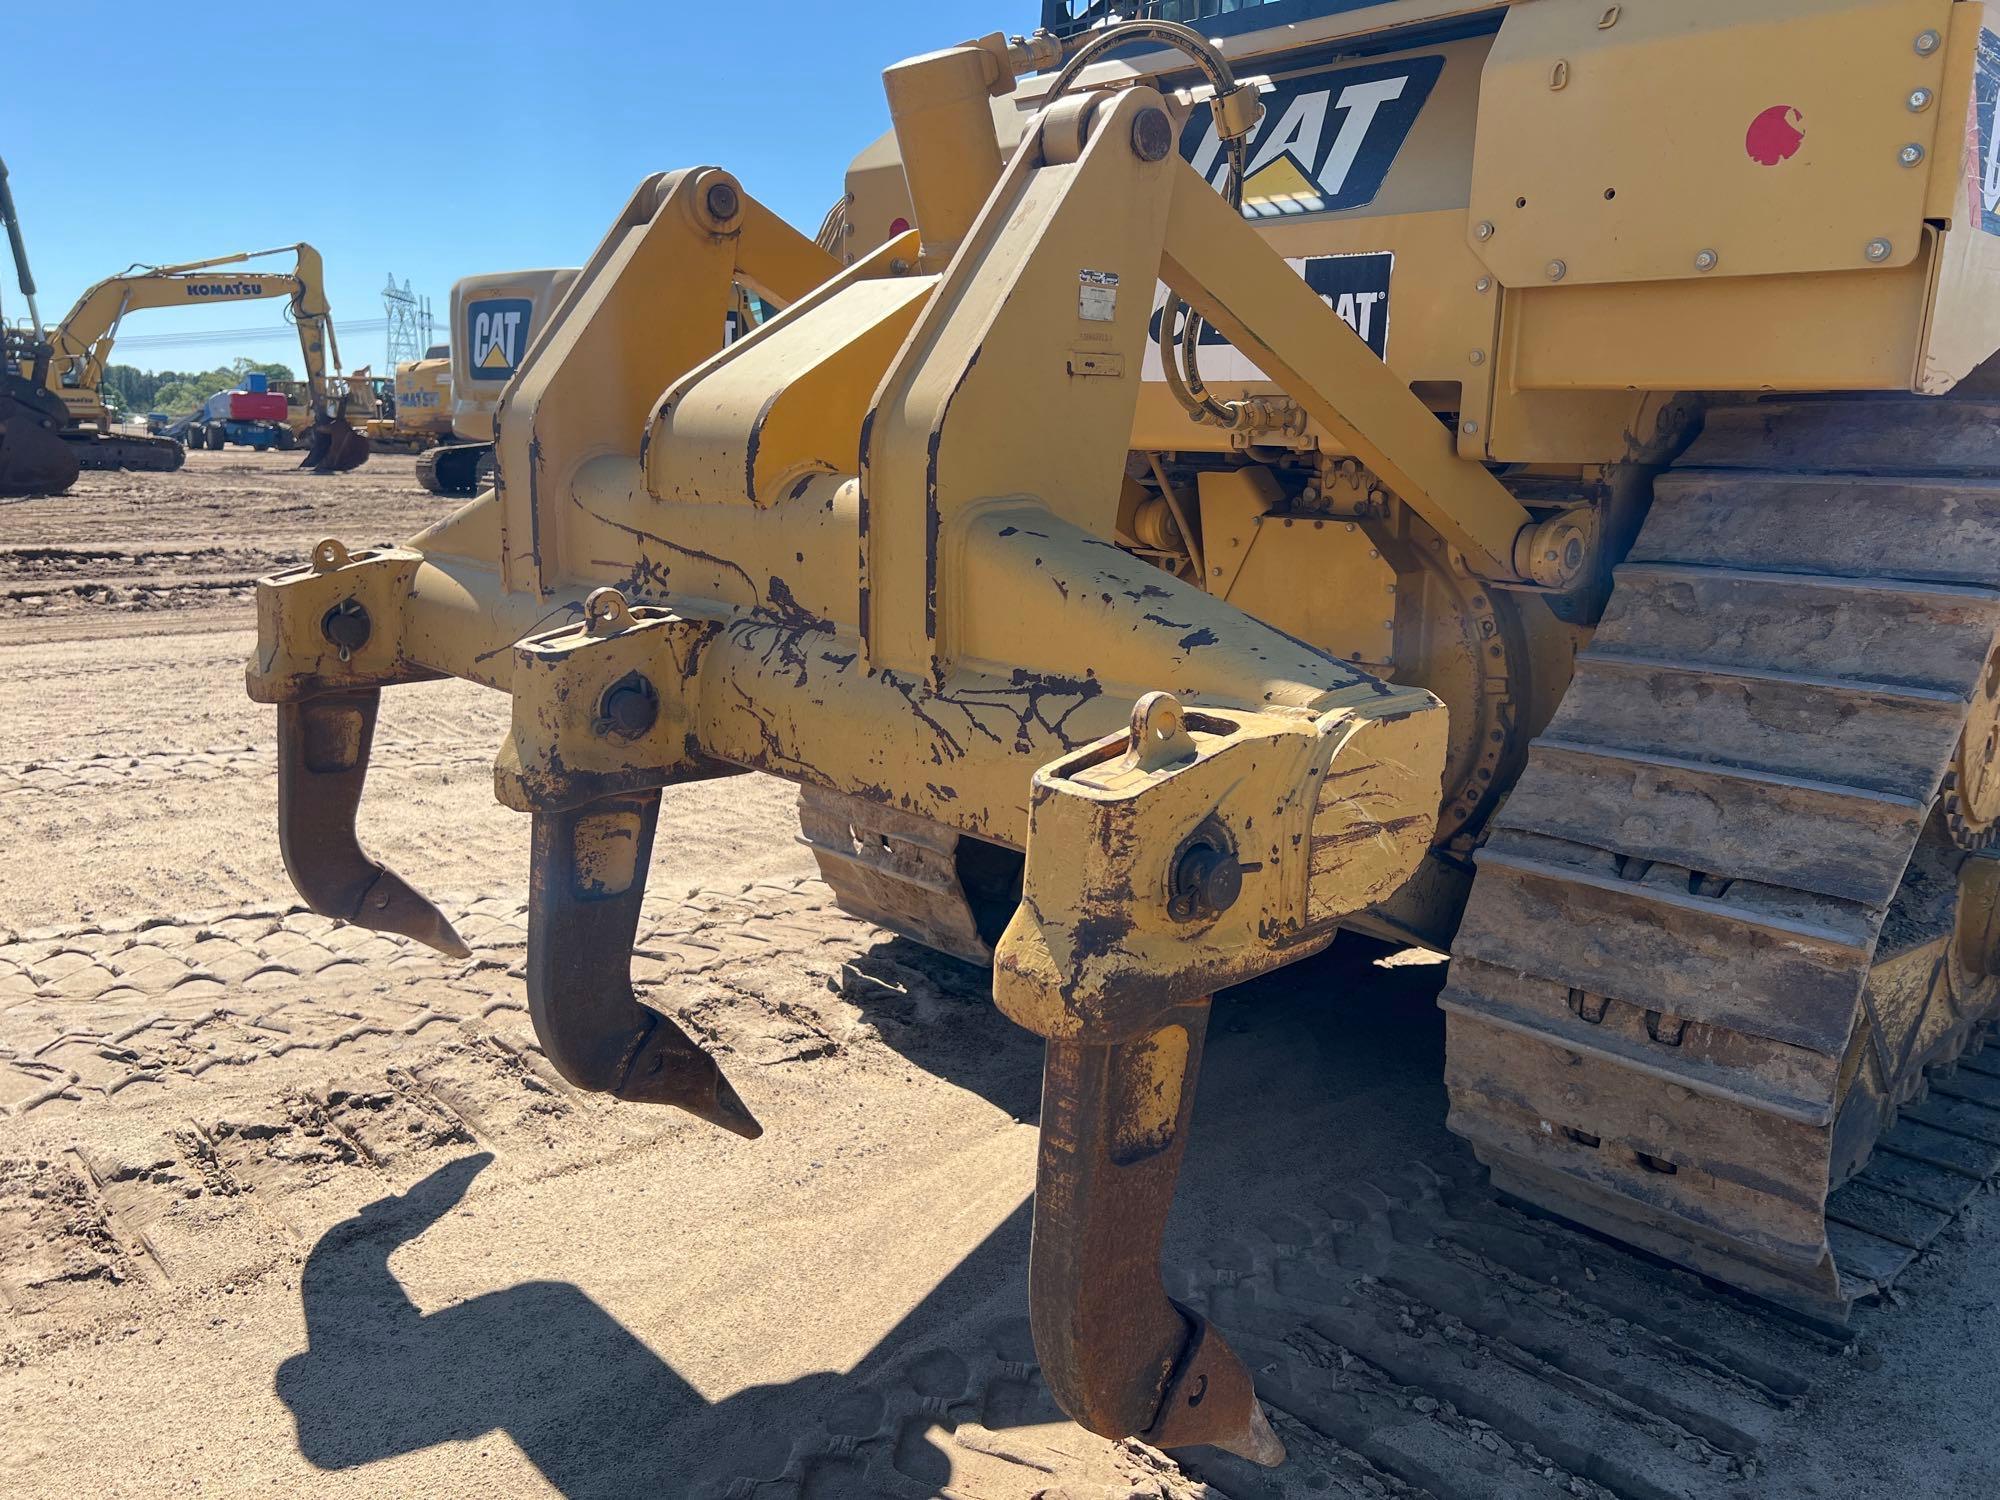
x,y
863,548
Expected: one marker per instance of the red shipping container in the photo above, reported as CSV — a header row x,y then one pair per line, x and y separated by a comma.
x,y
257,406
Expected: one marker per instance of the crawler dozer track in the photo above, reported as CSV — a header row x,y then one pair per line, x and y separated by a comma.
x,y
1734,922
153,455
460,469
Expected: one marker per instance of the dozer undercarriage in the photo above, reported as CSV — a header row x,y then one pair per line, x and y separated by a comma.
x,y
457,469
1669,707
1740,899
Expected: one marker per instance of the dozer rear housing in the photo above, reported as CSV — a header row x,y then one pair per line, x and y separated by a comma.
x,y
1594,239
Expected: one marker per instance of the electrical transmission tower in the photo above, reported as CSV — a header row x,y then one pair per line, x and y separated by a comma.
x,y
409,323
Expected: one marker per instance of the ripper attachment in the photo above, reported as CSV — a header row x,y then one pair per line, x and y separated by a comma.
x,y
586,885
893,597
1191,852
323,746
325,654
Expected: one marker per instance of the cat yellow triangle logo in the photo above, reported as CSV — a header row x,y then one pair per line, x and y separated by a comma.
x,y
1327,138
1282,182
496,358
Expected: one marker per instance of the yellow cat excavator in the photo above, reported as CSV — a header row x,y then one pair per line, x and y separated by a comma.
x,y
53,420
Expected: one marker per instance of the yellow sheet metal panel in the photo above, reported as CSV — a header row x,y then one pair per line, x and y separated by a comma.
x,y
1707,138
1964,322
1842,331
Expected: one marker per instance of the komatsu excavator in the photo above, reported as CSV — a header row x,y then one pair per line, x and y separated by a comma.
x,y
53,420
1516,478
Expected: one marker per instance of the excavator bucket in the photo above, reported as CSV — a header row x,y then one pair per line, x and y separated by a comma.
x,y
335,447
34,458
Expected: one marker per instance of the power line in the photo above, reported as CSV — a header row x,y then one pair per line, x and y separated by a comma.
x,y
265,333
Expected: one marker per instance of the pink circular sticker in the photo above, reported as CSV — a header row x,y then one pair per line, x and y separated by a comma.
x,y
1774,136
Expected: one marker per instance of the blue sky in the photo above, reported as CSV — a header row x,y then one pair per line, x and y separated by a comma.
x,y
445,137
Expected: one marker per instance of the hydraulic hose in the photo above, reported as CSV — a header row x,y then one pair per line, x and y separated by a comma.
x,y
1233,122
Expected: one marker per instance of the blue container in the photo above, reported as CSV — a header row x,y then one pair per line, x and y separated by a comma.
x,y
256,383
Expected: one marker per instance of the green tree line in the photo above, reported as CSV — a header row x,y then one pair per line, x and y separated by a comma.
x,y
177,392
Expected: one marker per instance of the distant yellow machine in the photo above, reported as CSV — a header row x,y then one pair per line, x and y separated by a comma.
x,y
421,404
1517,478
495,318
50,380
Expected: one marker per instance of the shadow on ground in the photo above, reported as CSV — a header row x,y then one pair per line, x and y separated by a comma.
x,y
599,1413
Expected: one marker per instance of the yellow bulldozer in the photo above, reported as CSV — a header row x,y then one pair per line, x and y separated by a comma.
x,y
1513,478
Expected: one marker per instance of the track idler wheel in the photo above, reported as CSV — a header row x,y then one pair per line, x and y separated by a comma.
x,y
323,746
34,457
586,885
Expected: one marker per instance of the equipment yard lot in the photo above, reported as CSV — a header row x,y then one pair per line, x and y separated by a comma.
x,y
294,1208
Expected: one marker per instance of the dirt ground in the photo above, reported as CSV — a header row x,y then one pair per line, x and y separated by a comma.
x,y
290,1208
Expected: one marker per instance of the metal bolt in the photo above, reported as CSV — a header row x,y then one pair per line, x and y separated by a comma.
x,y
1483,230
1879,250
1206,882
1919,100
1152,133
1910,155
1556,270
1483,284
631,707
1927,43
722,201
1477,356
1705,260
1468,427
346,627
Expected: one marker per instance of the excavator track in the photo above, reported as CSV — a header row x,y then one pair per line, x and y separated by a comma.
x,y
34,459
152,455
456,469
1730,932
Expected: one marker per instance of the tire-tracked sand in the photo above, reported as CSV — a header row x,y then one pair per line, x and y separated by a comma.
x,y
292,1208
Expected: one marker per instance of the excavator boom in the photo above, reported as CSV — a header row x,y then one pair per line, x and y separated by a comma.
x,y
34,459
61,394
